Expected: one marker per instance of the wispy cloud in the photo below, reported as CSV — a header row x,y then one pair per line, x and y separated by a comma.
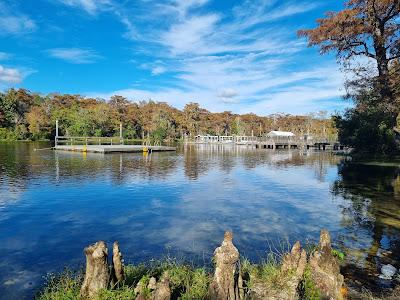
x,y
157,67
298,93
241,60
90,6
12,22
75,55
10,75
157,70
244,57
5,56
228,93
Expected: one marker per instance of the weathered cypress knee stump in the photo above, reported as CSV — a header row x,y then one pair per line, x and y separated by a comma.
x,y
325,269
97,271
118,268
226,258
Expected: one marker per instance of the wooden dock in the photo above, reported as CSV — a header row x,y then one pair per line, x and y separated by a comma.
x,y
113,148
273,143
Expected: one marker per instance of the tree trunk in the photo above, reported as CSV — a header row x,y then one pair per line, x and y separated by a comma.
x,y
97,272
383,72
379,41
118,267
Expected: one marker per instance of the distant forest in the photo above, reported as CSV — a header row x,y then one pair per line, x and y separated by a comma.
x,y
27,115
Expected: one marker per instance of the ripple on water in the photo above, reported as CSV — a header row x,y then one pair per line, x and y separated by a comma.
x,y
53,204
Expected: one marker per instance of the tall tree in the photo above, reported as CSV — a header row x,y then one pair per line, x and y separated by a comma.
x,y
364,28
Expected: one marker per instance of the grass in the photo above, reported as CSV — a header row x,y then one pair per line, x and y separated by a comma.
x,y
186,282
308,289
63,286
268,271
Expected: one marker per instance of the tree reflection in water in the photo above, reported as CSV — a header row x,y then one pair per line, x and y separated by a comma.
x,y
183,200
371,216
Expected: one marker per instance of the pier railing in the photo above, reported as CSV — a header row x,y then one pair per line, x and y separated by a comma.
x,y
88,140
265,139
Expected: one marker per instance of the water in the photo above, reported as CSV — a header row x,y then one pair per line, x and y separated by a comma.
x,y
53,204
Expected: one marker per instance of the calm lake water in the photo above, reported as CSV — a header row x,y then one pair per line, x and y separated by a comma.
x,y
53,204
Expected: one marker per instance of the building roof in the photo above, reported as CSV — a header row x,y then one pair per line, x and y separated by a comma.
x,y
280,133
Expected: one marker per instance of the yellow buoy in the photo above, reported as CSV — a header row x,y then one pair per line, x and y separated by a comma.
x,y
145,149
84,149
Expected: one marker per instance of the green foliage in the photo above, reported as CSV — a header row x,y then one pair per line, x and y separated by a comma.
x,y
26,115
337,253
308,289
4,134
123,293
144,282
268,271
197,287
159,134
237,127
186,282
133,274
8,134
368,131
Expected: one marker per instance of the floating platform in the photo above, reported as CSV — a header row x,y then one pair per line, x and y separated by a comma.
x,y
113,148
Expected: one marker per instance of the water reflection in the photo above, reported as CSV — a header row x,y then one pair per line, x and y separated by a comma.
x,y
52,204
371,217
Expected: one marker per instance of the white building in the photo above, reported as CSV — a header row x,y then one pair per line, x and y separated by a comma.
x,y
280,134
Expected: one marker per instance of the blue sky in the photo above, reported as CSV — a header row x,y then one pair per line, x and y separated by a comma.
x,y
241,56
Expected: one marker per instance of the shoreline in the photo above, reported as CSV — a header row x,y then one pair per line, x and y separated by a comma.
x,y
297,274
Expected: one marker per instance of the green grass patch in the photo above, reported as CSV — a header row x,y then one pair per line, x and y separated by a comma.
x,y
186,282
268,272
339,254
308,289
63,286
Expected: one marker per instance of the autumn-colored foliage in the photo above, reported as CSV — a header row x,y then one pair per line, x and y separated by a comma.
x,y
28,115
370,30
364,28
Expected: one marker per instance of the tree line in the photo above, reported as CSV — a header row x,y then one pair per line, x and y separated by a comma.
x,y
28,115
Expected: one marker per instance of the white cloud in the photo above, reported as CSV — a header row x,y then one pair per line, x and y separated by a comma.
x,y
5,56
90,6
75,55
12,22
10,75
241,59
16,25
183,7
299,93
190,36
228,93
157,70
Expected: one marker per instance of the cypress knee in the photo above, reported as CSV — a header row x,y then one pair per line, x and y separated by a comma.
x,y
97,271
325,269
118,267
226,259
